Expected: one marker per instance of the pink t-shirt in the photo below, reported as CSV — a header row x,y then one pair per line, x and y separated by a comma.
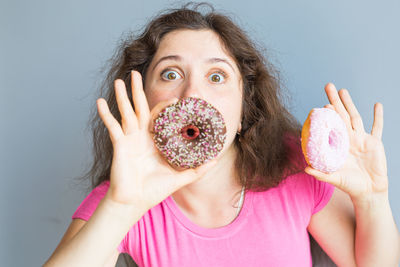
x,y
270,230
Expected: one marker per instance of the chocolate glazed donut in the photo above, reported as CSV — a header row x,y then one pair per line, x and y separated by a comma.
x,y
190,132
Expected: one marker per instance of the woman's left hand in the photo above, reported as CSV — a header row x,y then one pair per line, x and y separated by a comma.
x,y
364,173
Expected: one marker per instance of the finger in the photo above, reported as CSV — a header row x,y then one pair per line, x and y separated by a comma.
x,y
139,99
377,126
355,117
108,119
157,109
128,117
204,168
335,100
325,177
190,175
329,106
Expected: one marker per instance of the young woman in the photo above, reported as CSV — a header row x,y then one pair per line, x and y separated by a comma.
x,y
256,202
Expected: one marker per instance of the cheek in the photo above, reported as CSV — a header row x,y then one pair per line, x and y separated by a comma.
x,y
154,97
233,120
156,94
232,113
151,100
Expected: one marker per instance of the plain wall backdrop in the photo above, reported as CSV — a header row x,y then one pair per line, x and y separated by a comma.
x,y
51,54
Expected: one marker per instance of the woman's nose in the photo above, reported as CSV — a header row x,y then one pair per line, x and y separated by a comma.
x,y
192,89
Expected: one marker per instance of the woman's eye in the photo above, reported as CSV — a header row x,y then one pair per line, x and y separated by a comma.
x,y
170,75
217,77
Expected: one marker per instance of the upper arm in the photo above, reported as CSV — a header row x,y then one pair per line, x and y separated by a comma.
x,y
334,229
72,230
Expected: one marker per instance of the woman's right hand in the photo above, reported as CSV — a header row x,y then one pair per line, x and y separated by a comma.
x,y
140,176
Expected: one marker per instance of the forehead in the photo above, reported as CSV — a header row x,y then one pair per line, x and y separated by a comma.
x,y
192,44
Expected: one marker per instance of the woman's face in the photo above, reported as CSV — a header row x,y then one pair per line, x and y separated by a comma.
x,y
194,63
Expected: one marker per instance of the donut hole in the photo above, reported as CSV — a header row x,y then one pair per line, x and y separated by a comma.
x,y
333,139
190,132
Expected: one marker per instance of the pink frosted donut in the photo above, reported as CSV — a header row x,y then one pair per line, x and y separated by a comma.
x,y
324,140
189,133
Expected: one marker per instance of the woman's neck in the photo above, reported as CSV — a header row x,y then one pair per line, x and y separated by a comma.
x,y
218,190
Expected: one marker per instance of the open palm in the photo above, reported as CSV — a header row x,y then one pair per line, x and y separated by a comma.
x,y
364,172
139,175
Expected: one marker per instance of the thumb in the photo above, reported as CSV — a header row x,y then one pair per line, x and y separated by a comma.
x,y
317,174
191,175
322,176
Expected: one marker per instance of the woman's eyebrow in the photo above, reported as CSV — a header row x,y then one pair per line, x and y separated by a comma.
x,y
171,57
178,58
217,59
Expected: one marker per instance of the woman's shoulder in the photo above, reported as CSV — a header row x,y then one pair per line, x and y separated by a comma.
x,y
302,182
299,190
102,186
91,201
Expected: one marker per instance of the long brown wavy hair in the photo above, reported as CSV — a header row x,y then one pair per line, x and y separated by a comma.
x,y
269,142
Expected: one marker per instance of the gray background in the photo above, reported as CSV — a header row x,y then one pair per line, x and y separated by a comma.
x,y
52,51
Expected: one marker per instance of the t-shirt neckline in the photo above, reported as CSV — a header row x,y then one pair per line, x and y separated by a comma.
x,y
219,232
